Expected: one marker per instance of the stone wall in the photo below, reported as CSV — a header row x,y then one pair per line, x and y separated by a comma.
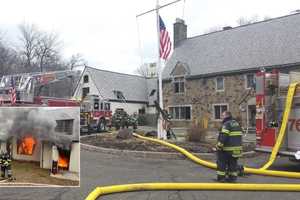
x,y
202,95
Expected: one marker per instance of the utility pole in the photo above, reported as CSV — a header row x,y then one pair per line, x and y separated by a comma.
x,y
161,133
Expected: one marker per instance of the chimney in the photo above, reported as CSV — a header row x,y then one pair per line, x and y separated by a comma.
x,y
180,31
227,28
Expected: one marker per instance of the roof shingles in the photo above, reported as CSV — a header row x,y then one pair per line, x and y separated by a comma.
x,y
267,43
134,88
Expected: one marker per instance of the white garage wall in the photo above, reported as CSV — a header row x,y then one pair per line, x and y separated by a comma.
x,y
46,156
2,146
75,157
90,84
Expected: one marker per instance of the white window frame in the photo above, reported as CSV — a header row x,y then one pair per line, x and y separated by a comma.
x,y
173,84
214,113
179,106
216,83
246,80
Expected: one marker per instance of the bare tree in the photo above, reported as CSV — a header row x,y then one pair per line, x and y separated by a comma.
x,y
47,50
30,35
244,21
143,70
9,59
75,61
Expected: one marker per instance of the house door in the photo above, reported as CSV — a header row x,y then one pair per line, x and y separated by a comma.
x,y
251,115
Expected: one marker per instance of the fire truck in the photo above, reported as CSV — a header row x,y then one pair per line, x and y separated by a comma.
x,y
25,89
271,96
95,114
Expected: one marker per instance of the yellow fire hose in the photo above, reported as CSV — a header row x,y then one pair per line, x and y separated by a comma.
x,y
214,166
99,191
288,106
216,186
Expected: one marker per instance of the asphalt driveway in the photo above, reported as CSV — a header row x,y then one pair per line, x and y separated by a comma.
x,y
102,169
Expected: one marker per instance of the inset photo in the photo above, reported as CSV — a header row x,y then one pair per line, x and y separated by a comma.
x,y
39,146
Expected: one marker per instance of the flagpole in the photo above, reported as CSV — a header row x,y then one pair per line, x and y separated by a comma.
x,y
160,131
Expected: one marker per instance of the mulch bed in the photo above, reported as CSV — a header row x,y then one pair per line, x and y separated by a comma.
x,y
108,140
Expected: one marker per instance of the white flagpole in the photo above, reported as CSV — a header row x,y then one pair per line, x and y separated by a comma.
x,y
160,134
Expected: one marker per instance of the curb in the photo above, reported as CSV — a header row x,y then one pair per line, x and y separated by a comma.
x,y
154,155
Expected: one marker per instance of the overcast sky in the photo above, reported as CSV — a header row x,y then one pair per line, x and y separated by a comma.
x,y
106,32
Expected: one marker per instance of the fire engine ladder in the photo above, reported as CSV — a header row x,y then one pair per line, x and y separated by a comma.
x,y
288,106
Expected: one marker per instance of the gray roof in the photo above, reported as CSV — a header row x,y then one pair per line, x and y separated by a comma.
x,y
267,43
133,87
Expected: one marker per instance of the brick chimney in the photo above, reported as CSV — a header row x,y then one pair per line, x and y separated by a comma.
x,y
180,31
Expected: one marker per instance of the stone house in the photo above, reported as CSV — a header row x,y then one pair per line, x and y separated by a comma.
x,y
210,73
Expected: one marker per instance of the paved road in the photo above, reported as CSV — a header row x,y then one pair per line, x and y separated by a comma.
x,y
101,169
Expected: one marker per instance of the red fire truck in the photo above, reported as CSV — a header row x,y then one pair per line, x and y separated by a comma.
x,y
24,89
271,94
95,114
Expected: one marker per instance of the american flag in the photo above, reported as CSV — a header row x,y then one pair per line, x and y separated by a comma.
x,y
13,91
165,42
13,95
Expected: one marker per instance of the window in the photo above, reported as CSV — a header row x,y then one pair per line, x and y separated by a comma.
x,y
26,145
250,82
220,83
218,109
180,112
64,126
142,111
85,91
119,94
179,85
85,79
96,104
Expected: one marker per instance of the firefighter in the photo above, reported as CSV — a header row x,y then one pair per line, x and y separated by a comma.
x,y
5,162
229,149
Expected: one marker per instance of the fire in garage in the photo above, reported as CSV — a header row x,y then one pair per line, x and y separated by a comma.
x,y
26,145
49,136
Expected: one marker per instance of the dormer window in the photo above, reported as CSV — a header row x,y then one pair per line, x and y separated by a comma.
x,y
119,94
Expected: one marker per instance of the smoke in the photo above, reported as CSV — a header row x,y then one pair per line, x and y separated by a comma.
x,y
37,122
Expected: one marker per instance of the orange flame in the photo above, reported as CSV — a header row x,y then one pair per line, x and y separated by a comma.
x,y
27,145
63,161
